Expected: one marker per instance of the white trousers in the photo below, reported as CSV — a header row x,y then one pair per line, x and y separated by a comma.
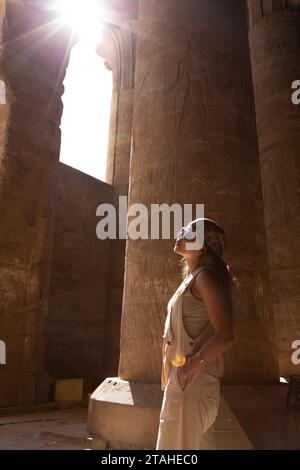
x,y
187,416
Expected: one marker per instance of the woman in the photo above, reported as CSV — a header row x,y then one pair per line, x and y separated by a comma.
x,y
198,328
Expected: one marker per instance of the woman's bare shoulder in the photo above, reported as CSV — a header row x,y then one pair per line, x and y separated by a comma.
x,y
206,280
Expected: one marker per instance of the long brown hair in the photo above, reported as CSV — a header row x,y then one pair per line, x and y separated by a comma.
x,y
208,258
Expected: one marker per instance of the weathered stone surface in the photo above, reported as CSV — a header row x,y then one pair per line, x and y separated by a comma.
x,y
261,411
183,129
257,9
194,141
75,326
35,56
275,52
45,428
32,66
117,403
118,48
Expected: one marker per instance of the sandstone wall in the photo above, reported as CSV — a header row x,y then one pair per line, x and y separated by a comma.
x,y
75,327
34,55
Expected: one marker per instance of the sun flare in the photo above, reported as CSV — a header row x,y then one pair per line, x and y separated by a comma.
x,y
83,17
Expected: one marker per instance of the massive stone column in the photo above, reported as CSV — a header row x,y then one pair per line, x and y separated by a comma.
x,y
118,48
34,54
194,141
275,56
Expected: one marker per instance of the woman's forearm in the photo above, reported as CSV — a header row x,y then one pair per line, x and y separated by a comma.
x,y
206,335
212,349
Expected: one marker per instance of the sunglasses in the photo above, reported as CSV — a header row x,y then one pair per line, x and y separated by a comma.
x,y
186,234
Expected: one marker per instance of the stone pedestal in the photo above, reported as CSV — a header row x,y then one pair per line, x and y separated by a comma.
x,y
125,415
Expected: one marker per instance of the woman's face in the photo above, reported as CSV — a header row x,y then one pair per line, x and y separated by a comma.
x,y
185,237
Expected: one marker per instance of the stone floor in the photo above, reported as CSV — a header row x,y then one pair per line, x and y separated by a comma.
x,y
49,428
61,429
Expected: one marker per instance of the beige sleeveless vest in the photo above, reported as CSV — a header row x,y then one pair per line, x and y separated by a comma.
x,y
194,313
176,341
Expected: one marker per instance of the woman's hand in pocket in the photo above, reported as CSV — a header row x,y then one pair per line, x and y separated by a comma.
x,y
182,377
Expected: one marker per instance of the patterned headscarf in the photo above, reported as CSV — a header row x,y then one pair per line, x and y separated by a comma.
x,y
214,235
